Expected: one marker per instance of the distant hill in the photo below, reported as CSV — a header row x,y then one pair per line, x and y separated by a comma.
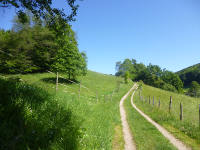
x,y
190,74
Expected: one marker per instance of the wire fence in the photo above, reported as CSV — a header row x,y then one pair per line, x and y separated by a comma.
x,y
186,110
92,93
98,96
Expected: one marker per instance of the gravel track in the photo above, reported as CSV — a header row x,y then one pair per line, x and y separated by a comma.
x,y
128,138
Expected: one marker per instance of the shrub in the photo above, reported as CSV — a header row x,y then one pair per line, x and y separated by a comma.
x,y
169,87
126,77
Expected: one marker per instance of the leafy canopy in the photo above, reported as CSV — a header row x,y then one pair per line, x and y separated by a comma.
x,y
152,75
190,74
194,89
33,47
40,8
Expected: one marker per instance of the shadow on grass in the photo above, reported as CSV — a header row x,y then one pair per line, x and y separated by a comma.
x,y
32,119
60,80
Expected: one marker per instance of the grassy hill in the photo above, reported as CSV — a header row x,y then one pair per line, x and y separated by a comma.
x,y
85,114
188,130
74,117
190,74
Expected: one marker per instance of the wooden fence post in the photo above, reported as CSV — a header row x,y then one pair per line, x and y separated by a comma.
x,y
199,115
97,96
79,93
153,100
118,87
140,94
149,99
181,112
56,81
112,94
170,104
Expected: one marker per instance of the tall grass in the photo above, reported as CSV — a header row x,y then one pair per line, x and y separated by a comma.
x,y
31,118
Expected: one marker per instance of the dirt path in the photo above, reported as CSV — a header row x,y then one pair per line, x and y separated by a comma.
x,y
177,143
128,139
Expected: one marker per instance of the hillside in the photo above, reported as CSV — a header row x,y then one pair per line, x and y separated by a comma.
x,y
77,116
85,114
190,74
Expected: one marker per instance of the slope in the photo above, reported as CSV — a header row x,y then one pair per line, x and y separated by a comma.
x,y
94,104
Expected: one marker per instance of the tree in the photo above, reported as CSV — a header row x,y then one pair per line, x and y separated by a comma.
x,y
138,69
127,65
18,26
126,77
68,59
27,48
14,56
154,69
190,74
84,61
117,68
43,10
173,79
40,9
32,47
152,75
194,89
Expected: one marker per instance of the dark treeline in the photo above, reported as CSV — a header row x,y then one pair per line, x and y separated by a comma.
x,y
190,74
33,47
194,89
191,79
152,75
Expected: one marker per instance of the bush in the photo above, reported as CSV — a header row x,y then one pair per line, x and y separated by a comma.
x,y
126,77
194,89
169,87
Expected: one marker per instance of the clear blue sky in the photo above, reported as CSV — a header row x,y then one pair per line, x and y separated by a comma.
x,y
161,32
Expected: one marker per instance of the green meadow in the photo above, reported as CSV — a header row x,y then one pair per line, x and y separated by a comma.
x,y
80,115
